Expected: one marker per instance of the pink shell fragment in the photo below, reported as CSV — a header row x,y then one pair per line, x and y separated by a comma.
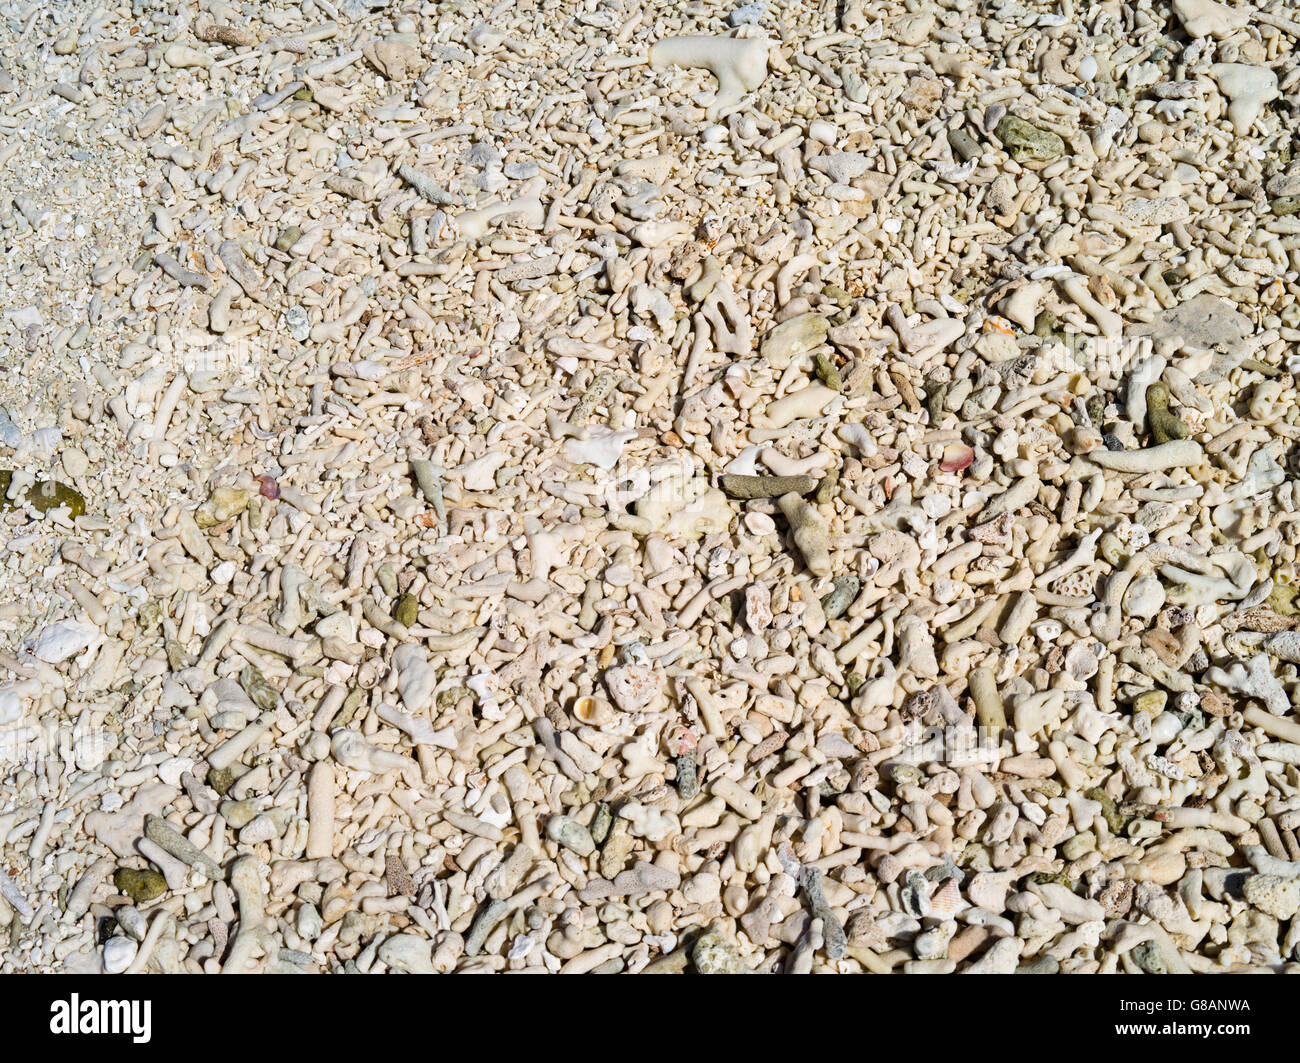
x,y
956,456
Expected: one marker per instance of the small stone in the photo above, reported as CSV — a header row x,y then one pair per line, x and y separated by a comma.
x,y
221,779
917,704
1273,895
1149,957
964,144
822,132
735,485
758,607
141,886
238,814
75,462
827,373
845,593
1152,703
44,495
714,954
398,880
748,15
1027,143
64,639
223,504
408,954
406,610
568,832
119,952
297,322
688,777
794,337
632,687
387,576
1078,846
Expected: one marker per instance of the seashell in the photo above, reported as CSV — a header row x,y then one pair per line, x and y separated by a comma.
x,y
678,740
1081,662
945,902
593,711
956,456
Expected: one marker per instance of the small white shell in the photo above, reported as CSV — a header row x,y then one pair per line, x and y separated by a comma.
x,y
593,711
